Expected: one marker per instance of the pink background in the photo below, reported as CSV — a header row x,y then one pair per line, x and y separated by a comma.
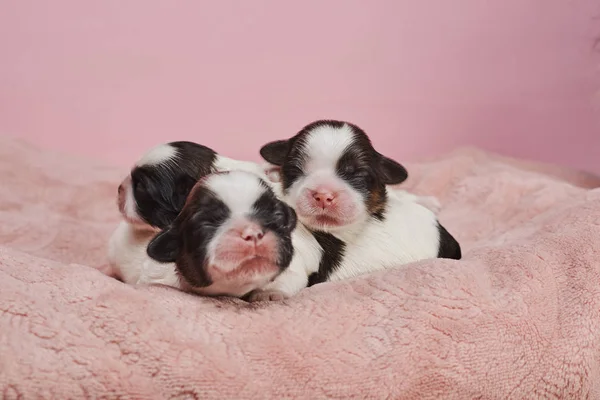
x,y
110,78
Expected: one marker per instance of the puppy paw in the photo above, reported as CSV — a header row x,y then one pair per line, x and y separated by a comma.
x,y
430,202
266,295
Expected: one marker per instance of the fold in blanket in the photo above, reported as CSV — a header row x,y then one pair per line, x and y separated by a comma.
x,y
518,317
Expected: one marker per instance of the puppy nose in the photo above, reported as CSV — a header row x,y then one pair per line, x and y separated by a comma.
x,y
323,199
252,234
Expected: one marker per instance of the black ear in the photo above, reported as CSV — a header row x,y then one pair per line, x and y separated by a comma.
x,y
164,247
183,186
390,171
275,152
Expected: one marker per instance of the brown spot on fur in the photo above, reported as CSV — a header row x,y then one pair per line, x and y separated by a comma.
x,y
376,202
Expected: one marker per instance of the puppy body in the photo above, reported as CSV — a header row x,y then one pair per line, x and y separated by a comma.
x,y
409,232
338,185
129,261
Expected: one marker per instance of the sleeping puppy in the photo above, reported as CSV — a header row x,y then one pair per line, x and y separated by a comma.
x,y
151,197
337,184
232,236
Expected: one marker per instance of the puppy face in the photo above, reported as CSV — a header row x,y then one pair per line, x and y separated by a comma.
x,y
332,175
155,190
232,236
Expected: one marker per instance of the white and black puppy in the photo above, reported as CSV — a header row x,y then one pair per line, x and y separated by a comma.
x,y
337,183
151,197
232,236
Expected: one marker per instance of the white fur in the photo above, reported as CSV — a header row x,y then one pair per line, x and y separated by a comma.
x,y
238,190
325,145
127,257
409,233
229,164
130,206
158,155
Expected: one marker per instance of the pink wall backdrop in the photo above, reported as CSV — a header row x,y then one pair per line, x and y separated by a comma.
x,y
107,79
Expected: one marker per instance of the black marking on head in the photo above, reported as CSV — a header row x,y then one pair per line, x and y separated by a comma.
x,y
199,224
160,190
331,258
361,166
449,247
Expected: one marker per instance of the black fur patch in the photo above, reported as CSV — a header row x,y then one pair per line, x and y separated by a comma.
x,y
331,259
274,215
449,247
196,227
160,190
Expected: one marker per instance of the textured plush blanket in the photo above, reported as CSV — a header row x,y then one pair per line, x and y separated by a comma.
x,y
517,318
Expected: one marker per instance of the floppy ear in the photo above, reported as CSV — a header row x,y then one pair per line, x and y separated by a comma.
x,y
164,247
275,152
390,171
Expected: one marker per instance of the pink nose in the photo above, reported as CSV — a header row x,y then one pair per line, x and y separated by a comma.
x,y
323,199
252,234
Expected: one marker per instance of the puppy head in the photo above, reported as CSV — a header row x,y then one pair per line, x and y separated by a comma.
x,y
156,189
232,236
332,175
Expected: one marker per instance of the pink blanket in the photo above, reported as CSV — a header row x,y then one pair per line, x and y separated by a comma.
x,y
518,317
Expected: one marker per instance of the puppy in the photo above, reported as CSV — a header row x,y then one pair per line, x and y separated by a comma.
x,y
337,184
151,197
232,236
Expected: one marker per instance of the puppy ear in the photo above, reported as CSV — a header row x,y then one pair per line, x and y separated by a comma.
x,y
164,247
275,152
390,171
